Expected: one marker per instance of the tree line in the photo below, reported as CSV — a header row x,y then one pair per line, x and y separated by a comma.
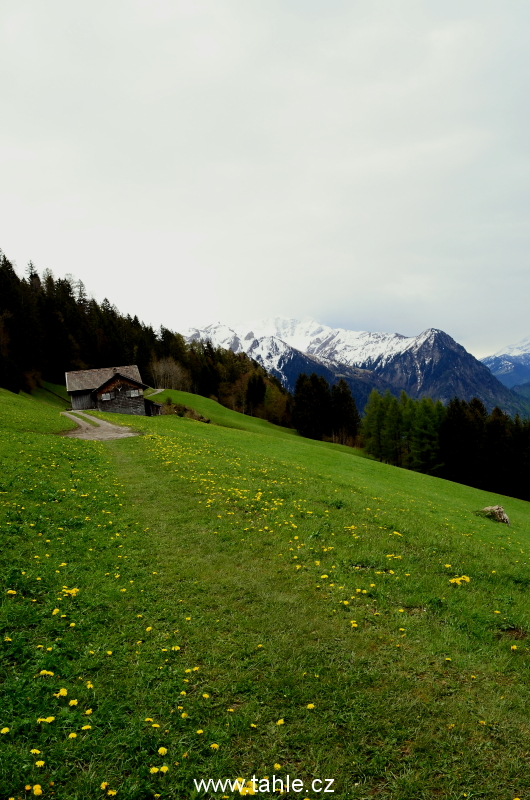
x,y
49,326
321,411
461,442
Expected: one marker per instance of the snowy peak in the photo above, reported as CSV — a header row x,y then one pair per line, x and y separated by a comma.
x,y
521,348
511,364
270,341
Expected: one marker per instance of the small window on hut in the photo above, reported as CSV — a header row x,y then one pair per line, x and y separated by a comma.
x,y
133,393
105,396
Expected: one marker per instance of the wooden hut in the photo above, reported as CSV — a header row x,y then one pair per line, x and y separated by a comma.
x,y
117,389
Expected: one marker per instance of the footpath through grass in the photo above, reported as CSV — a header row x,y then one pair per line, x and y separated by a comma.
x,y
206,602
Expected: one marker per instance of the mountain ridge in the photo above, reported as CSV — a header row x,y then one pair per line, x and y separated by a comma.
x,y
431,364
511,364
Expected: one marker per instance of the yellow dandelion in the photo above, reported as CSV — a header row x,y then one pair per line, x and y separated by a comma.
x,y
162,751
184,715
310,705
280,722
39,763
154,770
5,730
35,752
206,696
104,785
37,789
200,730
214,746
277,766
164,769
86,727
72,735
72,702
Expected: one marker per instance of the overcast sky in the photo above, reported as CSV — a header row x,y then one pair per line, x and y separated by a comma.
x,y
364,163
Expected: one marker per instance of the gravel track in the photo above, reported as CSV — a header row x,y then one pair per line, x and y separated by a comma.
x,y
104,431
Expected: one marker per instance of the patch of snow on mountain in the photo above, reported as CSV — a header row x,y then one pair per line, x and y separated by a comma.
x,y
268,341
521,348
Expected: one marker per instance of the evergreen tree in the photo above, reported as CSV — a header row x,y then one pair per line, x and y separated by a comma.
x,y
312,406
345,419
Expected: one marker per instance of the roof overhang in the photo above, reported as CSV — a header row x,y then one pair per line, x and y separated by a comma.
x,y
123,378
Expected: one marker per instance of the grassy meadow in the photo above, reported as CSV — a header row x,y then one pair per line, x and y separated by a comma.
x,y
228,600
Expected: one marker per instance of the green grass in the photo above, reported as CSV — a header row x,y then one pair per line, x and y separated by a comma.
x,y
219,415
288,574
52,393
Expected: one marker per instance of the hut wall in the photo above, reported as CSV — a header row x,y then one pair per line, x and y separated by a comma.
x,y
121,404
82,400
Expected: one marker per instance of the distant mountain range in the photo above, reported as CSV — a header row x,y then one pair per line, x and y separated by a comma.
x,y
511,366
431,364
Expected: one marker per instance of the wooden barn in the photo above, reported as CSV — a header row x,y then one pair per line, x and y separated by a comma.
x,y
117,389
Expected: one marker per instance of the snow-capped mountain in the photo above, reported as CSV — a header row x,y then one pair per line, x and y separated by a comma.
x,y
431,364
511,365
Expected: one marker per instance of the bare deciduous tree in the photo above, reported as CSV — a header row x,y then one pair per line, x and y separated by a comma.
x,y
169,374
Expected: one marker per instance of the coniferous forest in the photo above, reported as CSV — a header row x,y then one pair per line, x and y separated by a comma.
x,y
460,442
49,326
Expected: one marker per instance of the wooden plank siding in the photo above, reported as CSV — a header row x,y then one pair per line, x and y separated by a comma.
x,y
82,400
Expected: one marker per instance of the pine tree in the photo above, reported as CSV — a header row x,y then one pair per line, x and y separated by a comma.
x,y
345,419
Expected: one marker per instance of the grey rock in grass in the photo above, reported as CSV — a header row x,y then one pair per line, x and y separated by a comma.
x,y
497,513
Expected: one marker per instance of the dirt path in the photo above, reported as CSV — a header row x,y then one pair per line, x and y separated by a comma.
x,y
102,431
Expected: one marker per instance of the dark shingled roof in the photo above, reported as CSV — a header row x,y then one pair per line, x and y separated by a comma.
x,y
89,379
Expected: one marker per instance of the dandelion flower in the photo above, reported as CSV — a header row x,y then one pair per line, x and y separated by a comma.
x,y
86,727
109,652
61,693
39,763
206,696
35,752
4,730
513,647
164,768
154,770
148,719
280,722
72,735
104,785
72,702
214,746
162,751
310,705
184,715
37,789
277,766
112,792
200,730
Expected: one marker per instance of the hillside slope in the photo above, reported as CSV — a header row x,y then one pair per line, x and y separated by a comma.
x,y
236,603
